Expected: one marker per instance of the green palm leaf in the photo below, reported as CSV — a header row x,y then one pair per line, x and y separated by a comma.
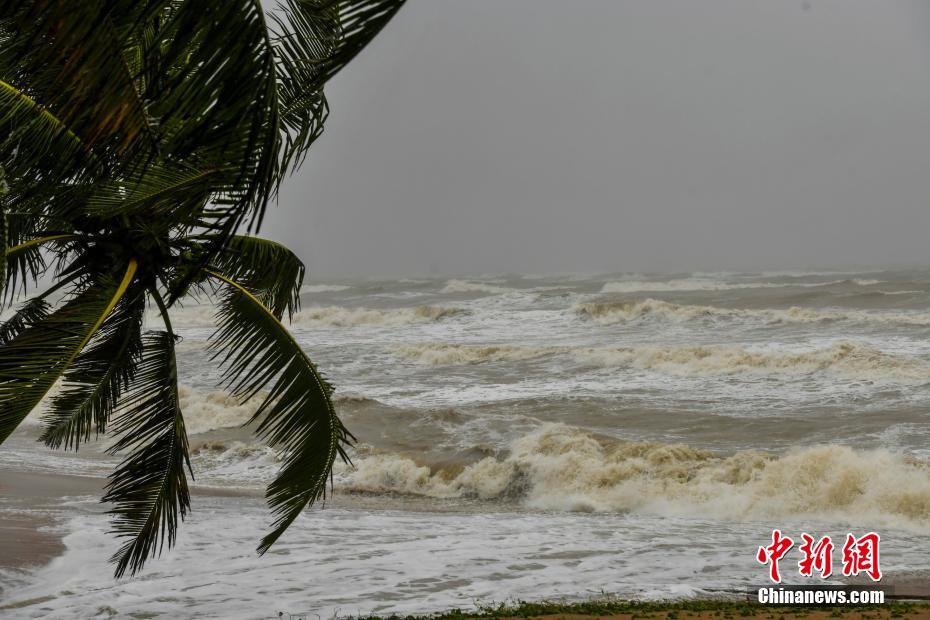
x,y
267,268
24,262
94,382
297,415
158,189
149,487
4,236
32,361
29,312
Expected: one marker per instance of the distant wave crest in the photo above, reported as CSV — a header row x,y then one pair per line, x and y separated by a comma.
x,y
469,286
713,284
846,358
338,316
608,313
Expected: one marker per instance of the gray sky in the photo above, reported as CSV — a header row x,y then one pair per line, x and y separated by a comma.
x,y
618,135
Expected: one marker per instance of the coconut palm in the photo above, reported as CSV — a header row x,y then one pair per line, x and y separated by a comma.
x,y
142,141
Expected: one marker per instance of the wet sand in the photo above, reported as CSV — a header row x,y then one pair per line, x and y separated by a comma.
x,y
24,541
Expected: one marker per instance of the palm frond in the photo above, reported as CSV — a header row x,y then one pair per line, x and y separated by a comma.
x,y
297,416
25,263
359,22
149,487
29,313
156,190
4,235
267,268
94,382
53,145
314,40
32,361
70,58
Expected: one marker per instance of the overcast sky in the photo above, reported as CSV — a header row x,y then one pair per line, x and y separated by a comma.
x,y
536,136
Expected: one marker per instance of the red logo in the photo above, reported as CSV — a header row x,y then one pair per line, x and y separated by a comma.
x,y
773,553
860,555
817,557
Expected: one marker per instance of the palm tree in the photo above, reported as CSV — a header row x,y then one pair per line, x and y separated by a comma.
x,y
138,137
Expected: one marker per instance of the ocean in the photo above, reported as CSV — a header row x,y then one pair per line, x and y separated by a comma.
x,y
535,437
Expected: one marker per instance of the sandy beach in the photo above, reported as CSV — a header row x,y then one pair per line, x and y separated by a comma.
x,y
26,540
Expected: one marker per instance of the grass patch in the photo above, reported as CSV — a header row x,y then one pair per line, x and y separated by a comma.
x,y
678,610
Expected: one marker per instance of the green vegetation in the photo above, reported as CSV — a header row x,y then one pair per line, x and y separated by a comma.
x,y
676,609
140,141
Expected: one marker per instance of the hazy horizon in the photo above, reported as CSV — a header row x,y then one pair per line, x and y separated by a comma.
x,y
668,136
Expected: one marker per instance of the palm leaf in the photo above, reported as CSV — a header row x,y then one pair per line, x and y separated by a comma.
x,y
156,190
149,487
94,382
313,41
4,235
25,262
359,22
29,313
267,268
32,361
53,145
297,415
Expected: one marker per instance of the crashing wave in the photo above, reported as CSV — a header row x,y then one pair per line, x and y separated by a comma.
x,y
609,313
468,286
323,288
711,284
846,358
443,354
849,359
338,316
563,468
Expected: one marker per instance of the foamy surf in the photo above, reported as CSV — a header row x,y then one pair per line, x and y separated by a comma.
x,y
611,313
337,316
567,469
468,286
713,284
845,358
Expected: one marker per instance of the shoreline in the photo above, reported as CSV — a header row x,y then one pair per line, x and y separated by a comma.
x,y
692,610
27,539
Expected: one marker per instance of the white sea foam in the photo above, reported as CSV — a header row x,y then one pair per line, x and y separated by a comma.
x,y
323,288
608,313
338,316
469,286
713,284
846,358
441,354
207,410
564,468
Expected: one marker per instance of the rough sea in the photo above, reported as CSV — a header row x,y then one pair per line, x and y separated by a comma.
x,y
536,437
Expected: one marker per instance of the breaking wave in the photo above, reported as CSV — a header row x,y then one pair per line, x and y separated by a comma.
x,y
338,316
323,288
609,313
215,409
442,354
847,358
468,286
566,469
711,284
850,359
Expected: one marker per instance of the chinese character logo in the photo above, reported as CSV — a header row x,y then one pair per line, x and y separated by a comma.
x,y
773,553
860,555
